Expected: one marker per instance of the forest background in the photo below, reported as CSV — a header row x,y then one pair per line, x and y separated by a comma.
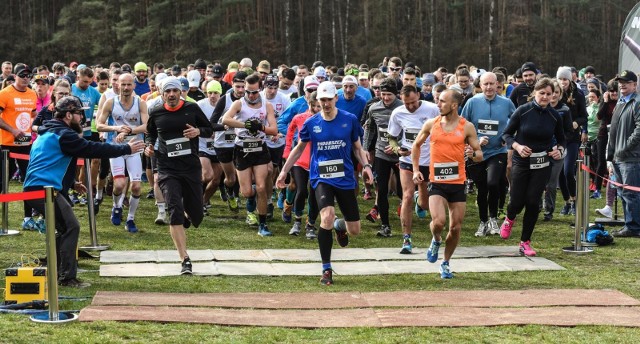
x,y
430,33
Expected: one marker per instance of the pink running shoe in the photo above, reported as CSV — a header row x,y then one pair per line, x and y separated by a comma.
x,y
505,229
526,249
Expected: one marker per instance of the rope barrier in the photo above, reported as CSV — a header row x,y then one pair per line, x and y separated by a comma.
x,y
21,196
80,162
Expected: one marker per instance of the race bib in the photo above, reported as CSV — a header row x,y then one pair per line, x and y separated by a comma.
x,y
488,127
383,134
251,146
130,137
445,171
209,143
538,160
178,147
22,141
410,134
331,168
229,136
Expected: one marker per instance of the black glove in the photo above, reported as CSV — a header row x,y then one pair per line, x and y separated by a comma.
x,y
253,125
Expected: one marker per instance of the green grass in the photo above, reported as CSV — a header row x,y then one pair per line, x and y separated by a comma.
x,y
613,267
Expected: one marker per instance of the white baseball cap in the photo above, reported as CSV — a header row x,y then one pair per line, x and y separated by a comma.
x,y
326,90
349,79
194,78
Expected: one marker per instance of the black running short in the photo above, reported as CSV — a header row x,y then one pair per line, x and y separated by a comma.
x,y
326,195
451,192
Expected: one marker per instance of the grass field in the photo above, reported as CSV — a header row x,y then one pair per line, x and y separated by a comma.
x,y
613,267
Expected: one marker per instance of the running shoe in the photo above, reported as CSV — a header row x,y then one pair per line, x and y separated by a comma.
x,y
295,230
116,216
445,271
82,200
252,219
310,231
505,229
407,246
566,209
493,227
432,252
286,212
572,209
548,216
73,283
223,195
187,267
606,212
270,209
596,195
28,224
233,204
341,232
367,195
131,226
74,198
96,205
482,229
161,219
264,231
373,215
280,200
419,211
327,277
385,231
151,194
526,249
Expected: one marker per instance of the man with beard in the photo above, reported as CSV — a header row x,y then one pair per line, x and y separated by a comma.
x,y
142,82
53,156
176,126
521,93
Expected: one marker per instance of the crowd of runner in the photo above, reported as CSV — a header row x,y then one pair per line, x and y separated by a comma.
x,y
304,138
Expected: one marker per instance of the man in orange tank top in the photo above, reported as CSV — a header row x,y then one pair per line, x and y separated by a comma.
x,y
451,138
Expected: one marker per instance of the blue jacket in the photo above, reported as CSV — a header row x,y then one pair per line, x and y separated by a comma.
x,y
498,109
55,150
296,107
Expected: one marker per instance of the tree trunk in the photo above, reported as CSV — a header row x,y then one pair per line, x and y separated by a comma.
x,y
333,32
319,37
287,42
491,40
346,34
432,25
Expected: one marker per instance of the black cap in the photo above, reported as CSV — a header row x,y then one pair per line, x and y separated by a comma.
x,y
200,64
529,66
21,67
69,103
589,69
627,75
176,68
389,85
126,68
239,76
271,80
218,71
317,64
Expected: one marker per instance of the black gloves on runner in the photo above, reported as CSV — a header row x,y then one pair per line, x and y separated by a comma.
x,y
253,125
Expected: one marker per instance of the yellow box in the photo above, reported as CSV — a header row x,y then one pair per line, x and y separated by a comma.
x,y
25,285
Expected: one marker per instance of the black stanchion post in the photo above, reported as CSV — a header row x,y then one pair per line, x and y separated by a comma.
x,y
92,214
585,194
4,230
54,316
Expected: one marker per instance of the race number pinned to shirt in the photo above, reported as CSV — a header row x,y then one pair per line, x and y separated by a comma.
x,y
410,134
229,136
538,160
331,168
445,171
383,134
209,143
22,141
487,127
178,147
251,146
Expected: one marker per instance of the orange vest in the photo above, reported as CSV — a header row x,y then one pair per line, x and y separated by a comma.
x,y
447,154
18,112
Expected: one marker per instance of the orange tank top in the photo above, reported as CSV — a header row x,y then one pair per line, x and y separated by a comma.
x,y
447,153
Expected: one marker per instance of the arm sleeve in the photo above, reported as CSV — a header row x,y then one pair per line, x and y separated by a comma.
x,y
39,118
581,110
510,130
217,113
73,145
370,131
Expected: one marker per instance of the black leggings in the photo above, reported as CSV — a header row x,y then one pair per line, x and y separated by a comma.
x,y
568,174
601,154
487,175
301,178
527,186
383,174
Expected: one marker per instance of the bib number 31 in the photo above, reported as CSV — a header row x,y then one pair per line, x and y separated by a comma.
x,y
178,147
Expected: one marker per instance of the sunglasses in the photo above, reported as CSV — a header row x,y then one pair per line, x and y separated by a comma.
x,y
25,75
310,90
395,69
375,88
252,92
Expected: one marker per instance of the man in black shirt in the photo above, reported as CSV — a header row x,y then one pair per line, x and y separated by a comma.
x,y
176,125
521,93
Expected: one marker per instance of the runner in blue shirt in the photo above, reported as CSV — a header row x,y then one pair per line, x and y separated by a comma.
x,y
334,134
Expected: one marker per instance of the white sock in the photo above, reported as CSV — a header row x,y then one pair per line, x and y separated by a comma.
x,y
99,194
161,207
117,200
133,205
